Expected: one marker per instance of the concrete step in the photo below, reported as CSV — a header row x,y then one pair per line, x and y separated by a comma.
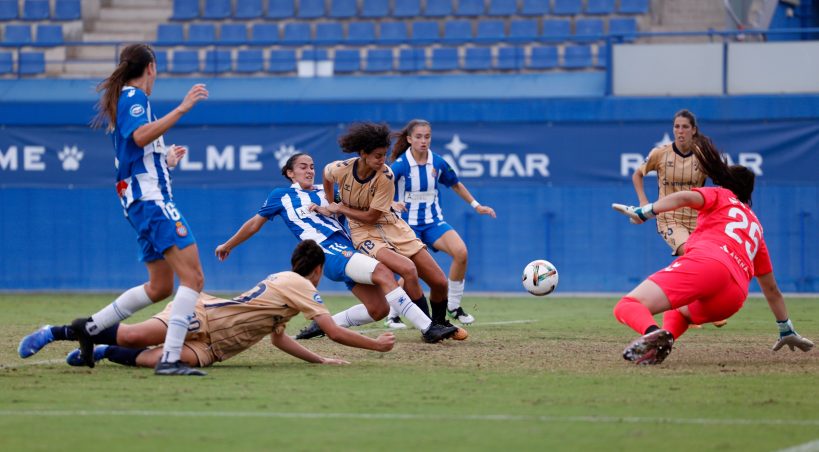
x,y
135,14
101,53
119,37
88,68
152,4
105,26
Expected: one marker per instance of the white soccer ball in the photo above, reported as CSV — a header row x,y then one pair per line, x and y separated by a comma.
x,y
540,277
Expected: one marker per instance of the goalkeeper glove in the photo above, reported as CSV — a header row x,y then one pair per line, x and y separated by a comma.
x,y
789,337
637,215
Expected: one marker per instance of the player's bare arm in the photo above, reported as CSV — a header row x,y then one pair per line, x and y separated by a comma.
x,y
153,130
247,230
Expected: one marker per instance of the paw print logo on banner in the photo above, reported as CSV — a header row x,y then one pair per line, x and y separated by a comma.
x,y
70,156
283,153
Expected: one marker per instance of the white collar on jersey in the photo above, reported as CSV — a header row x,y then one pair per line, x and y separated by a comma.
x,y
298,187
411,159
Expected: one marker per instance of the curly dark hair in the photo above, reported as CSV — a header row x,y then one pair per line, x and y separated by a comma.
x,y
306,257
365,137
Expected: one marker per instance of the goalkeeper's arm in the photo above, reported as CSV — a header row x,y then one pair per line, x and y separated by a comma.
x,y
787,335
673,201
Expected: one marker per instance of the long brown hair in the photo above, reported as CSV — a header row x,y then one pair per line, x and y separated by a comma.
x,y
737,178
133,60
402,137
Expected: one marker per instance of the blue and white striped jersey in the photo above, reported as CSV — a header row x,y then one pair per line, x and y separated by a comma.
x,y
417,187
292,204
142,173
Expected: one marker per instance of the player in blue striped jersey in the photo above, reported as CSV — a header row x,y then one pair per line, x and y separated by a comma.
x,y
167,245
369,280
418,174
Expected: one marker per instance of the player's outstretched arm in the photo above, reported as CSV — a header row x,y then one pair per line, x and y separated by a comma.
x,y
787,335
247,231
286,344
153,130
382,343
674,201
464,193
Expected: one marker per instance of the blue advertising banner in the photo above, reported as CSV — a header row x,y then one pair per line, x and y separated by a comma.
x,y
567,154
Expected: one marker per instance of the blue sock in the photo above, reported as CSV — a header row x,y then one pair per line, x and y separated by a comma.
x,y
63,333
123,355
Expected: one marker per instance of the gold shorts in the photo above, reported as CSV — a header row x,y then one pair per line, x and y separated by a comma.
x,y
197,340
399,237
675,235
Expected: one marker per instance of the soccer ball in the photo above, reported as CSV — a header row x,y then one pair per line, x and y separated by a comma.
x,y
540,277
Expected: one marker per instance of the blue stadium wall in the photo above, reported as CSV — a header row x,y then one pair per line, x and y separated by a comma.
x,y
61,227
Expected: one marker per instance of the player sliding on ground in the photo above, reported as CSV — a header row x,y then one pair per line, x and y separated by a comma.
x,y
220,328
710,281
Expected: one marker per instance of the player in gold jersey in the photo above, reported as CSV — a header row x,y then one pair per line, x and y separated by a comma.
x,y
677,170
221,328
366,189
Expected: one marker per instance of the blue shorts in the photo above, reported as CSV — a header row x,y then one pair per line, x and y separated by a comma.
x,y
338,249
429,233
158,229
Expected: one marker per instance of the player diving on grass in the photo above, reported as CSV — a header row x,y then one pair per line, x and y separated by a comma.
x,y
369,280
710,281
222,328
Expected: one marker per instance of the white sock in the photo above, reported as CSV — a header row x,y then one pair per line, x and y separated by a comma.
x,y
456,292
355,316
131,301
393,313
400,301
181,313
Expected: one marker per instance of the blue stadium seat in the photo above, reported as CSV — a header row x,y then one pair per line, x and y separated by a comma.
x,y
478,59
602,56
412,59
185,9
314,55
510,58
471,8
346,61
577,57
248,9
503,7
523,30
567,7
217,9
280,9
311,9
457,31
6,61
425,32
235,34
282,61
543,57
31,63
490,31
534,7
633,6
264,34
586,30
17,34
296,33
444,59
599,7
9,10
624,26
407,8
36,10
170,34
329,33
201,34
50,35
379,60
67,10
361,33
161,60
218,61
438,8
185,61
248,61
375,8
393,33
556,30
343,9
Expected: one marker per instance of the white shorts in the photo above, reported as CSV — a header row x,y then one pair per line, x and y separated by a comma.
x,y
360,268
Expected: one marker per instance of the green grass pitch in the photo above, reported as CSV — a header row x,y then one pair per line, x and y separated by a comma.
x,y
535,374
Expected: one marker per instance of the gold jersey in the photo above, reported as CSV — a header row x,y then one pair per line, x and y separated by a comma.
x,y
375,192
675,172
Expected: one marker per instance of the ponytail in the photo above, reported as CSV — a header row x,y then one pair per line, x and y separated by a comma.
x,y
737,178
133,60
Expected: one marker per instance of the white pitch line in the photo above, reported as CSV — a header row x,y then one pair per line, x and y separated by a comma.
x,y
422,417
812,446
508,322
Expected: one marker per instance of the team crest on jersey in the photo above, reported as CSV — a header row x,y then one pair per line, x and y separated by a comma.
x,y
317,298
137,111
347,254
181,230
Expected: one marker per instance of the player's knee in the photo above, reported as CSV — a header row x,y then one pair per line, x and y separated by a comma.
x,y
130,337
460,256
195,280
383,277
378,312
159,290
